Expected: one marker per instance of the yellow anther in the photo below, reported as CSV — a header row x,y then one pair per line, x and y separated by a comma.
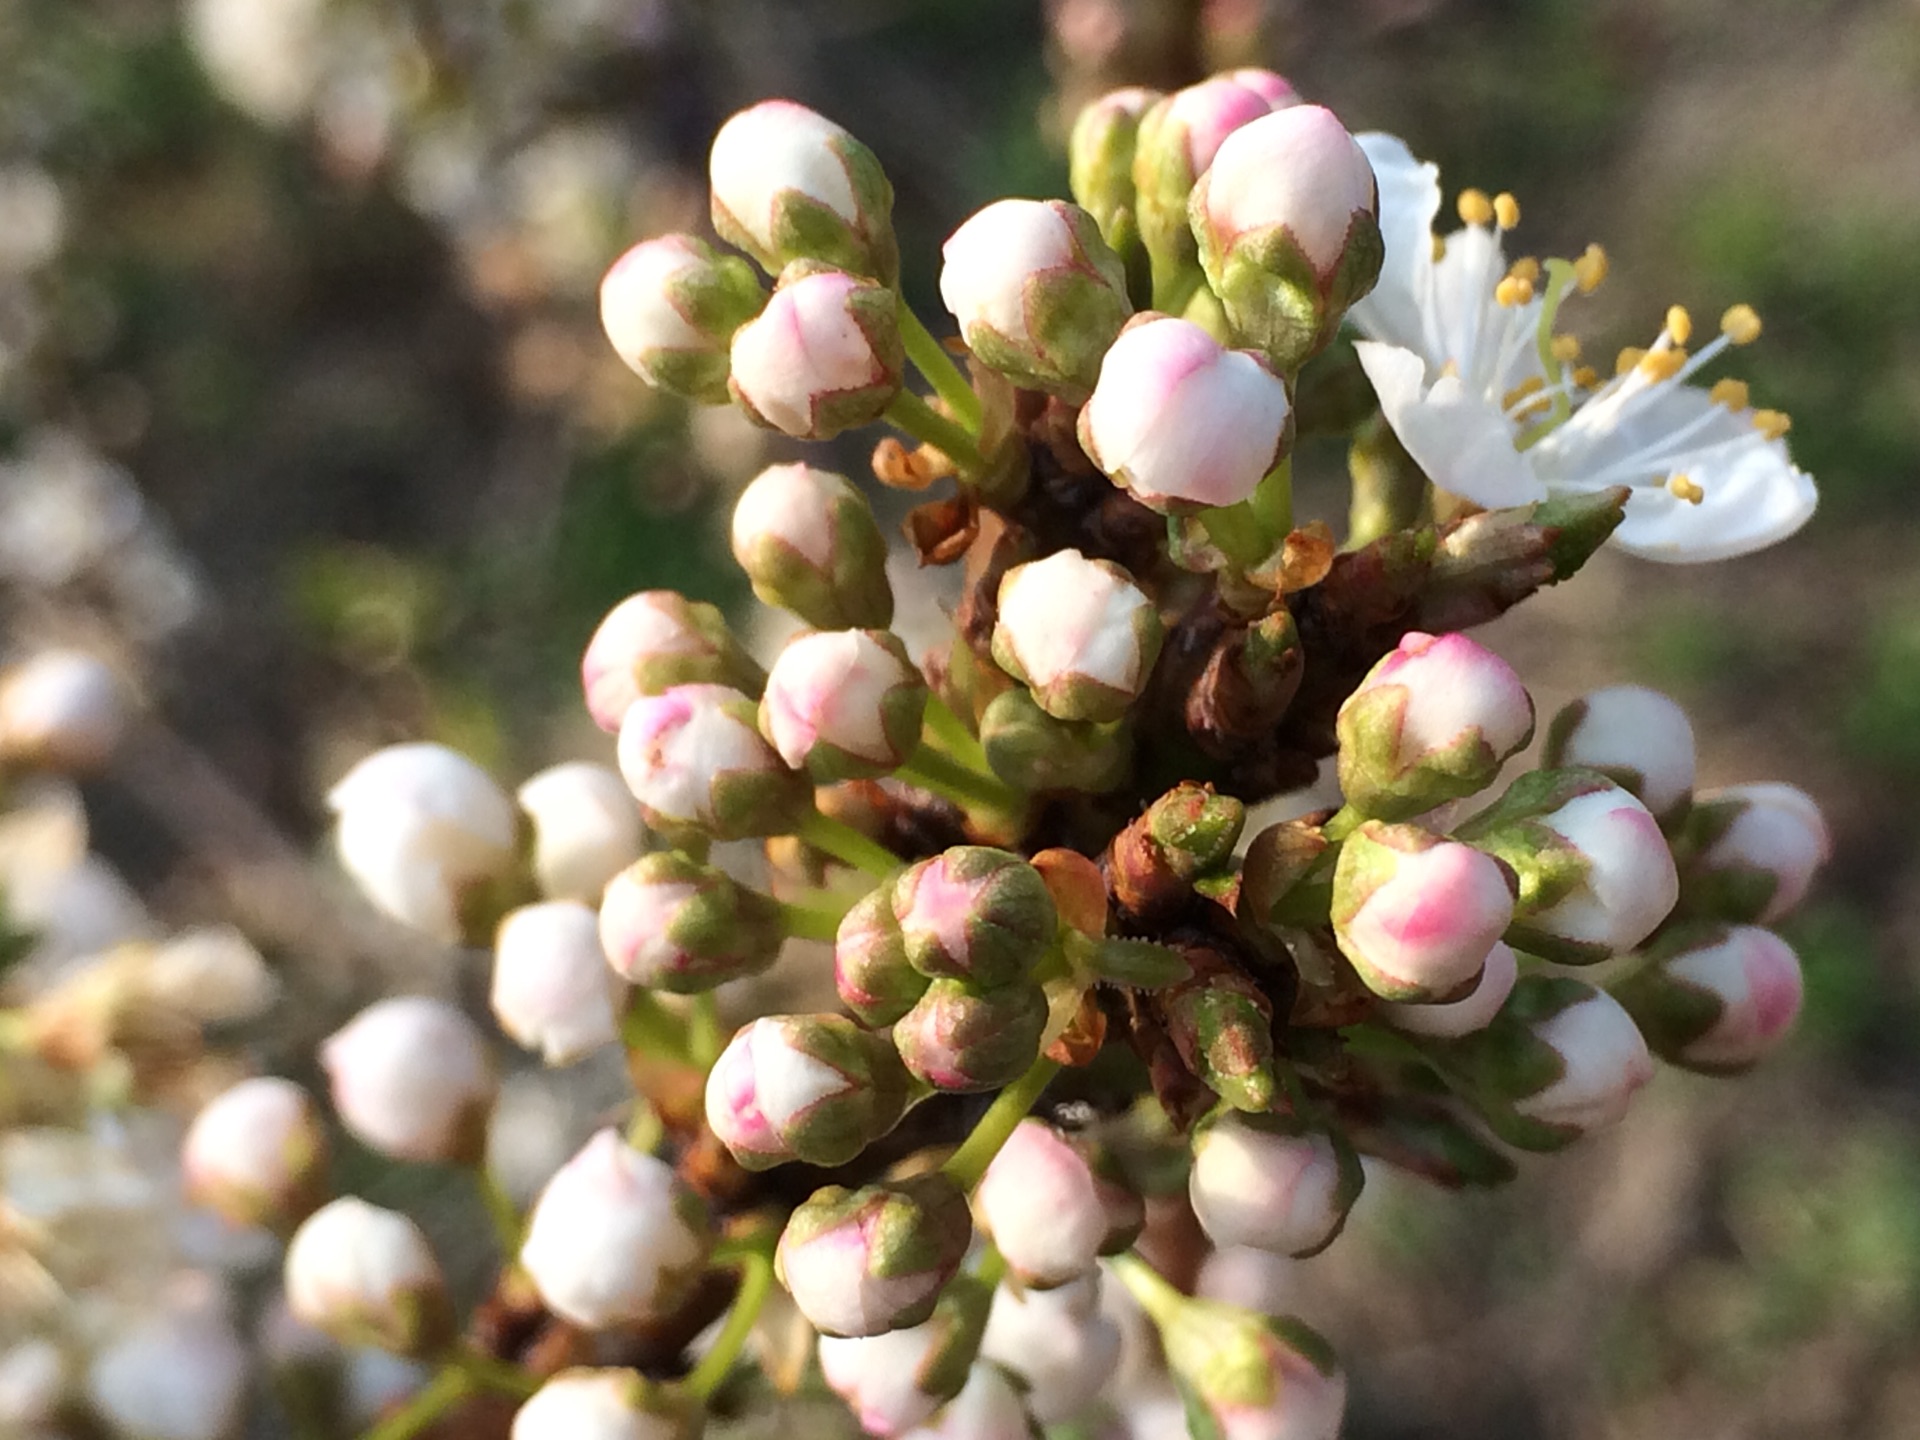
x,y
1741,324
1439,249
1730,393
1659,365
1679,324
1475,208
1531,385
1525,268
1513,291
1685,489
1627,359
1590,269
1586,377
1565,348
1772,423
1506,210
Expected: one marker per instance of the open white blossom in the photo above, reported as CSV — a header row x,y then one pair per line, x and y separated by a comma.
x,y
1491,403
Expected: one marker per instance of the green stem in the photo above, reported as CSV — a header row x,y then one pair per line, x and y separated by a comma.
x,y
811,922
438,1395
488,1373
992,1267
501,1210
1344,822
967,1164
705,1038
649,1026
1238,532
950,733
1174,283
1156,1294
756,1281
913,416
931,359
1272,502
847,845
934,770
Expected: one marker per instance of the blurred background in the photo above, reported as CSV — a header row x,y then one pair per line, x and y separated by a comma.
x,y
306,420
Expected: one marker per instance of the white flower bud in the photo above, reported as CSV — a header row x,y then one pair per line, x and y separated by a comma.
x,y
844,704
1417,915
1260,1186
810,1087
988,1407
808,540
1057,1342
614,1237
586,829
257,1153
670,306
1079,633
824,356
671,923
1179,420
653,641
1636,737
424,830
411,1078
61,710
366,1275
603,1405
863,1262
1046,1208
1770,841
696,762
895,1381
33,1374
1603,1060
178,1373
1719,1001
552,990
1473,1011
1629,885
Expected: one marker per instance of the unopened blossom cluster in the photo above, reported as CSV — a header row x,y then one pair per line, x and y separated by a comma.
x,y
1072,973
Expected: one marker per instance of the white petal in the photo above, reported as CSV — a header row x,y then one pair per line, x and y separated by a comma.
x,y
1460,439
1754,497
1409,201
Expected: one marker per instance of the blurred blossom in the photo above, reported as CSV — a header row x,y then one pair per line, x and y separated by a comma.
x,y
33,219
263,55
177,1373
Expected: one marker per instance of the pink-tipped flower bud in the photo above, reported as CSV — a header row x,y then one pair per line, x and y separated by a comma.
x,y
605,1405
1596,876
552,991
696,762
615,1237
1079,633
1448,1019
1432,722
655,640
1178,139
586,828
427,835
1181,422
1560,1061
975,913
809,542
1255,1377
1053,1207
863,1262
670,923
824,356
1100,161
367,1276
1272,1184
1716,1001
61,710
1275,89
1058,1343
411,1077
1417,914
257,1154
670,307
958,1037
1288,224
1636,737
789,184
844,704
815,1088
1760,847
871,971
895,1381
177,1372
1038,293
988,1407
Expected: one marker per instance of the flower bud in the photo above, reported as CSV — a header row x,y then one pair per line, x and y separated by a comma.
x,y
1038,293
585,829
1279,858
1417,914
1288,225
789,184
616,1404
988,1407
1255,1375
1718,1001
1221,1026
1762,845
552,991
694,759
411,1078
670,923
179,1372
974,913
1596,876
426,834
895,1381
961,1038
670,307
1035,753
1561,1059
844,704
1100,158
1432,722
1187,834
1178,139
367,1276
1056,1342
1636,737
863,1262
810,544
815,1088
1276,90
1050,1212
1079,633
655,640
870,967
1272,1184
1473,1011
257,1154
33,1378
615,1237
824,356
1181,422
61,710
